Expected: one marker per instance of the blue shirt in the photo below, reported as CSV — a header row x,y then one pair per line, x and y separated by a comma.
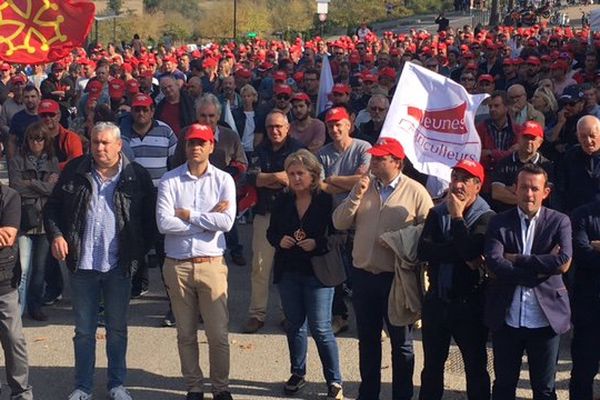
x,y
19,124
100,243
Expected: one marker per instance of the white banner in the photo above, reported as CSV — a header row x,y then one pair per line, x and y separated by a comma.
x,y
595,20
325,86
433,118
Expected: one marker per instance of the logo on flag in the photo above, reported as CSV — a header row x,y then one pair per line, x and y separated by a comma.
x,y
36,31
433,118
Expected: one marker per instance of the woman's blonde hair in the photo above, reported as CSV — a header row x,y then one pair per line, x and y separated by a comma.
x,y
545,93
248,88
308,160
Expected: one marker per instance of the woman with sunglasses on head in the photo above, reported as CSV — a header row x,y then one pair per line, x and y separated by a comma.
x,y
33,172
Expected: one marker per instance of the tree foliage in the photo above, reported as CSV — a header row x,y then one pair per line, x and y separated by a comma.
x,y
115,6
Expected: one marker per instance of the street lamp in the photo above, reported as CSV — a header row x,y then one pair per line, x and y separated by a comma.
x,y
234,19
322,10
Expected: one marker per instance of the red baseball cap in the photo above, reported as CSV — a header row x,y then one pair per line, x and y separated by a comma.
x,y
18,79
337,114
142,100
472,167
132,86
116,88
368,77
301,96
243,73
387,72
280,76
387,146
532,128
265,66
94,87
48,106
283,89
486,77
533,60
341,88
201,132
5,67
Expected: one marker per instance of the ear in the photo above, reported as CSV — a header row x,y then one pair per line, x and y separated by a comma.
x,y
547,191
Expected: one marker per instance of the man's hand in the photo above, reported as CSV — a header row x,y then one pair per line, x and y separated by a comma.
x,y
512,257
361,186
53,178
221,207
8,235
595,244
555,250
456,206
307,244
287,242
60,248
282,178
183,214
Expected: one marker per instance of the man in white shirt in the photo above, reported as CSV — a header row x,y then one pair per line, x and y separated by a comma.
x,y
195,207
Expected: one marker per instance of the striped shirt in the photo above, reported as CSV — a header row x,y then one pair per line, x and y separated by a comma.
x,y
153,149
100,242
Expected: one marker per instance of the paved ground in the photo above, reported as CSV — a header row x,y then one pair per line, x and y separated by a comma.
x,y
259,363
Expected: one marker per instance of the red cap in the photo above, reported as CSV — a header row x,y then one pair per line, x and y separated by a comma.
x,y
243,73
48,106
132,86
265,66
341,88
387,146
142,100
533,60
560,64
508,61
280,76
472,167
4,67
201,132
301,96
532,128
368,77
337,114
116,88
18,80
283,89
486,77
94,87
209,63
387,72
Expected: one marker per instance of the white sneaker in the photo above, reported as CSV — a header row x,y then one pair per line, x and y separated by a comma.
x,y
119,393
79,394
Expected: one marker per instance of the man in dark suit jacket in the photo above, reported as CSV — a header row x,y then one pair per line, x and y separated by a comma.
x,y
585,351
527,250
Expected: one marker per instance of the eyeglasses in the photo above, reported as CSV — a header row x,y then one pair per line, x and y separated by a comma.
x,y
283,97
207,115
37,139
47,115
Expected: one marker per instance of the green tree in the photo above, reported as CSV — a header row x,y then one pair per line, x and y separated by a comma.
x,y
115,6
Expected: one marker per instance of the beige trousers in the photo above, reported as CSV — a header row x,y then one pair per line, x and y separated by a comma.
x,y
200,288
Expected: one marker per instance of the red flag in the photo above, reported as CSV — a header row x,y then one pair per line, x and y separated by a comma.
x,y
37,31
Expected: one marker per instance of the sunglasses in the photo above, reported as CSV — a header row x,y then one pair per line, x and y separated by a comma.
x,y
283,97
47,115
37,139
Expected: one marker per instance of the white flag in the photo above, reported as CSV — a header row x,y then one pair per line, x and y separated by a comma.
x,y
325,86
433,118
228,117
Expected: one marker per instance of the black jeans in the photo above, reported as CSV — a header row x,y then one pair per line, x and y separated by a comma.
x,y
370,301
461,320
541,345
232,240
585,350
53,277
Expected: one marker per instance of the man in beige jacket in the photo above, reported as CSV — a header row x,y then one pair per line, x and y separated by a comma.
x,y
384,201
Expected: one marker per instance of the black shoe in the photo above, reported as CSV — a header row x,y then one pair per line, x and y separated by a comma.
x,y
194,396
294,384
169,319
225,395
335,392
52,300
136,294
38,315
238,259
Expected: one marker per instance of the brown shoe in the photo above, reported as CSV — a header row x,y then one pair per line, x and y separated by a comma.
x,y
38,315
252,325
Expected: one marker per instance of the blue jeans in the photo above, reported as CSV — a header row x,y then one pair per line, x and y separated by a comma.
x,y
33,253
87,288
304,299
370,300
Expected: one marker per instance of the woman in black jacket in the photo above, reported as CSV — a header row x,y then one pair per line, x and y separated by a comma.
x,y
297,230
33,173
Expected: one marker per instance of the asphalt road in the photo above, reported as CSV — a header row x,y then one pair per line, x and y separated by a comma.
x,y
259,363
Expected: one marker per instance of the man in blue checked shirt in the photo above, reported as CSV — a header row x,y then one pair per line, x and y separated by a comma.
x,y
99,220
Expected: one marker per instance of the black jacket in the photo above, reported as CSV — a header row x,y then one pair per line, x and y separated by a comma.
x,y
187,110
65,211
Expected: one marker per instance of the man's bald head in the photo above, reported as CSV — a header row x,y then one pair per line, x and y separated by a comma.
x,y
588,134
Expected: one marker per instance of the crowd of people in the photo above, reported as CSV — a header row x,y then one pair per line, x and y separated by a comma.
x,y
117,152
